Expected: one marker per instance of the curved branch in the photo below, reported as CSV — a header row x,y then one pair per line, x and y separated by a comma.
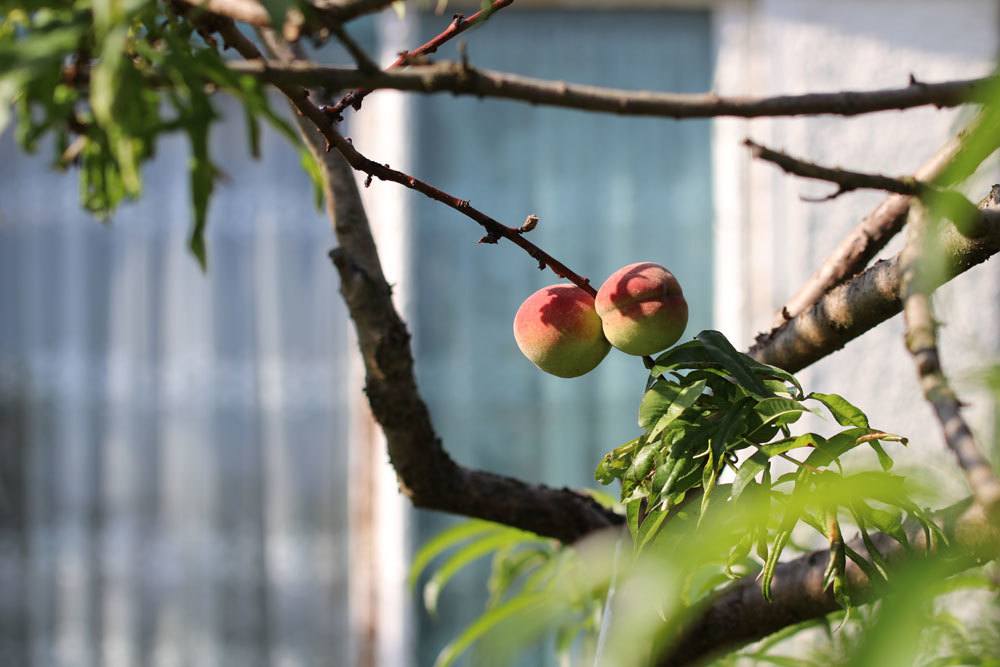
x,y
851,309
462,79
427,474
873,233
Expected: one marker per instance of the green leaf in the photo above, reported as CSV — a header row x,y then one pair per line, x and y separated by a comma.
x,y
642,463
509,565
727,431
845,412
766,371
884,460
788,444
312,169
446,539
467,554
665,402
650,527
835,447
749,469
616,463
738,364
767,575
690,355
516,605
632,510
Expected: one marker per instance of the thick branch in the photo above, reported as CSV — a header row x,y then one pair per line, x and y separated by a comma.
x,y
458,25
740,614
427,475
921,341
461,79
851,309
873,233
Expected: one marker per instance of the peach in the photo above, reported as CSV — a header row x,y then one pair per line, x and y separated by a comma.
x,y
558,329
642,308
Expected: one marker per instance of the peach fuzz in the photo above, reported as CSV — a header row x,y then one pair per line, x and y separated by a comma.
x,y
642,308
558,329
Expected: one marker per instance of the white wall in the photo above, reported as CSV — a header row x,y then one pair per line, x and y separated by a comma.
x,y
768,241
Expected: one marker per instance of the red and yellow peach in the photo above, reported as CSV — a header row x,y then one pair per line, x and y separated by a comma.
x,y
558,329
642,308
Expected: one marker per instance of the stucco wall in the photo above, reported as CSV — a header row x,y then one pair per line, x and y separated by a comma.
x,y
768,241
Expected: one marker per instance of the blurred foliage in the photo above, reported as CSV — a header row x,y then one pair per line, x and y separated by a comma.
x,y
106,80
706,409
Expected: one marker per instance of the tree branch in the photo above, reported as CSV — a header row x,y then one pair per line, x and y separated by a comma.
x,y
866,240
921,341
433,480
739,613
458,25
851,309
462,79
495,230
426,473
954,205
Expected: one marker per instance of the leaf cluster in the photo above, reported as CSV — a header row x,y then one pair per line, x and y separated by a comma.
x,y
524,573
106,79
707,408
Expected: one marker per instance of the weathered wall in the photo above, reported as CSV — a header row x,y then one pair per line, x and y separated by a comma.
x,y
768,241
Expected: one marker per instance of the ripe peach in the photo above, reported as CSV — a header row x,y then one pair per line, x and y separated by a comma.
x,y
642,308
558,329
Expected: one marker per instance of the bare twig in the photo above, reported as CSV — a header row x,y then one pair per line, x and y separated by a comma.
x,y
871,235
458,25
921,341
959,209
851,309
495,230
467,80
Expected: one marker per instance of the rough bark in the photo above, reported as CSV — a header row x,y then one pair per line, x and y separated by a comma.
x,y
740,614
872,234
427,475
851,309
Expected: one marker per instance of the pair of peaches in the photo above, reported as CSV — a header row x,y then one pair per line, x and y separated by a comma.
x,y
640,309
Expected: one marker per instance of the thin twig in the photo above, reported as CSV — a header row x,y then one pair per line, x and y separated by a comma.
x,y
458,25
956,206
462,79
872,234
921,341
495,230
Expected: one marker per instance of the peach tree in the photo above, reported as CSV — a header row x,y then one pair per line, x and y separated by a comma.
x,y
690,559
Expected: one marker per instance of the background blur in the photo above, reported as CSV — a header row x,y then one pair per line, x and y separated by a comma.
x,y
189,474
